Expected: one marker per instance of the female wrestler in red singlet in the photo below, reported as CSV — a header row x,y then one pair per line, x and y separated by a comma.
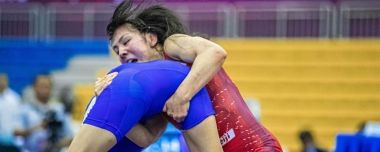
x,y
238,129
154,32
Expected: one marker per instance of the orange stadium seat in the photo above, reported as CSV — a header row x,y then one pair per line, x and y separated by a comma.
x,y
328,86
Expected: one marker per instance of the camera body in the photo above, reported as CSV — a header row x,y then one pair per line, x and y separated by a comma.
x,y
54,128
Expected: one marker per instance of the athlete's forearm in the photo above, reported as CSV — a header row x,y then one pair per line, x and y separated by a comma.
x,y
204,68
145,134
156,126
140,135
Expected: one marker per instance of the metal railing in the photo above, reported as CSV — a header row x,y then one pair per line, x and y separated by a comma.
x,y
241,19
21,20
359,19
80,20
213,18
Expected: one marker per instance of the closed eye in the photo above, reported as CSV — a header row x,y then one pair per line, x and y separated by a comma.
x,y
116,50
125,43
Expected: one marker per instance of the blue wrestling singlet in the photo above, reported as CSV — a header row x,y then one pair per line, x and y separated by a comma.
x,y
138,92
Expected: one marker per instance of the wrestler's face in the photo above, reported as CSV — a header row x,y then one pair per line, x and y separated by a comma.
x,y
132,46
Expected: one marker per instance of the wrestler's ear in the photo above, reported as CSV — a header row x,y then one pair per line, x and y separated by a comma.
x,y
153,39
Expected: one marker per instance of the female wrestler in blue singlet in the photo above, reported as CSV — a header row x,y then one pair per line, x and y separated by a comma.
x,y
138,92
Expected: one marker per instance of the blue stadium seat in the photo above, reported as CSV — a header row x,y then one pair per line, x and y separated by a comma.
x,y
22,59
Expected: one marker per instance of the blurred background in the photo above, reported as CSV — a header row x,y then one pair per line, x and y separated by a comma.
x,y
309,70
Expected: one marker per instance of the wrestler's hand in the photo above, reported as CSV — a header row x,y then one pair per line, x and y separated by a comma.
x,y
177,107
102,83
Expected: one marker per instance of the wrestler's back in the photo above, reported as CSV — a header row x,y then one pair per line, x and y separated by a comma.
x,y
238,129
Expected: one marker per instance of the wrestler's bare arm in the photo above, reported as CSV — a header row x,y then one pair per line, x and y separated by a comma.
x,y
149,132
206,57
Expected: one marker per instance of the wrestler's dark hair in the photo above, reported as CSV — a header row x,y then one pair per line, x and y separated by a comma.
x,y
154,19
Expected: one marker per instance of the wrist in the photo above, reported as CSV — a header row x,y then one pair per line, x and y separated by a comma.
x,y
188,88
184,97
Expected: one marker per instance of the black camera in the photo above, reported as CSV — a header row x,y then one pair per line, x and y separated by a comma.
x,y
54,127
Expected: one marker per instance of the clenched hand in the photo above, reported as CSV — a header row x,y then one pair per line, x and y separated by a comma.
x,y
102,83
177,107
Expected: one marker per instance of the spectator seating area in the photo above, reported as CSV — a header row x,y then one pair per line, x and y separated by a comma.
x,y
23,59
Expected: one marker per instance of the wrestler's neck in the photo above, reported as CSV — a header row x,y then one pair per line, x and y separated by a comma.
x,y
159,53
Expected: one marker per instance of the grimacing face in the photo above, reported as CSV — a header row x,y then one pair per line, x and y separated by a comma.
x,y
132,46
